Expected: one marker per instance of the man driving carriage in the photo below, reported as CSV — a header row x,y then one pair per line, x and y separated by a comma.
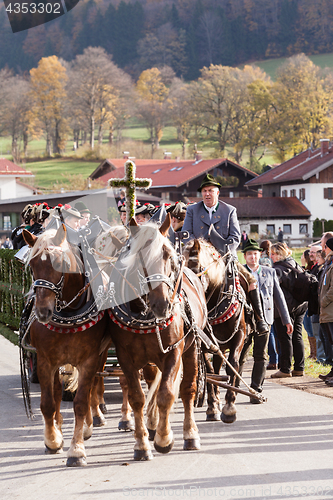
x,y
217,222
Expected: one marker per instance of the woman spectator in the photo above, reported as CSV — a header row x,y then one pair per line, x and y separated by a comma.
x,y
307,265
290,345
265,258
326,300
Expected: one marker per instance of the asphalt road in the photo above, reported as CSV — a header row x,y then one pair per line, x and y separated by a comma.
x,y
280,449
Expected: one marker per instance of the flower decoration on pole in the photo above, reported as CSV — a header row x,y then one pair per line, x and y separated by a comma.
x,y
130,183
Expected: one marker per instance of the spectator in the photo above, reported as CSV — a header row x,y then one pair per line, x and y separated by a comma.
x,y
280,235
271,296
291,345
122,198
318,257
7,243
307,265
265,259
326,300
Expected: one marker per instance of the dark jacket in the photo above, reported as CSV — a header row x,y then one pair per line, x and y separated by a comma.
x,y
287,282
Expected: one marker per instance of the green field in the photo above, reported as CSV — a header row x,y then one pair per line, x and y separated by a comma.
x,y
48,173
270,66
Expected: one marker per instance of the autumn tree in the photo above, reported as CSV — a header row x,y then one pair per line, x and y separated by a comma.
x,y
180,111
16,115
302,100
212,100
48,97
152,99
99,91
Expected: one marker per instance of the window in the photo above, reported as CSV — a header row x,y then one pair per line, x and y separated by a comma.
x,y
254,228
270,229
292,192
284,193
155,171
6,222
303,229
287,228
301,194
328,193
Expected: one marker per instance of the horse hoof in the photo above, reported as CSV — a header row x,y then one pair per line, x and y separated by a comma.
x,y
228,419
212,417
76,462
164,449
98,421
103,408
140,455
151,433
50,451
191,444
126,425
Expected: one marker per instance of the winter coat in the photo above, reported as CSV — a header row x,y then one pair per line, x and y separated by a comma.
x,y
326,291
287,282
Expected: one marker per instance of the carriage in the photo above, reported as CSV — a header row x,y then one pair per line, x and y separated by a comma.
x,y
168,290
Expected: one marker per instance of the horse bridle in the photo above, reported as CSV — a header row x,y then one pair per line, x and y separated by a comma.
x,y
56,288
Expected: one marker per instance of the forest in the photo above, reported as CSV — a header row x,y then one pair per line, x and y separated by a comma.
x,y
185,35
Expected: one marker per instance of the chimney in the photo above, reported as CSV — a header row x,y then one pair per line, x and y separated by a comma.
x,y
167,155
198,155
125,153
324,143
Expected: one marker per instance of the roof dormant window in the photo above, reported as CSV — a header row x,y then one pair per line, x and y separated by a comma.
x,y
155,171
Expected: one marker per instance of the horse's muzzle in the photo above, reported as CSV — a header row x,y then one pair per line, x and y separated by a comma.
x,y
43,314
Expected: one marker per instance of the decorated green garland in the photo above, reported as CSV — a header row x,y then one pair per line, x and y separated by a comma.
x,y
130,183
15,283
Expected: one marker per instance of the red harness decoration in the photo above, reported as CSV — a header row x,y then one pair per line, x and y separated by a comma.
x,y
142,331
75,329
231,309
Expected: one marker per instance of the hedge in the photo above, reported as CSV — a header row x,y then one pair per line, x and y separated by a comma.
x,y
15,282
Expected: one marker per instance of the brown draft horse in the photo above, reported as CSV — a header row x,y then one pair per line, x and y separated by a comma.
x,y
59,274
201,256
144,285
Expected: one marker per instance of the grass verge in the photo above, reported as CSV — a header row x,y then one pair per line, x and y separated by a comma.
x,y
9,334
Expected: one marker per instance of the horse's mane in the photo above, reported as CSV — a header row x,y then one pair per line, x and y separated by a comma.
x,y
148,232
45,243
104,243
209,256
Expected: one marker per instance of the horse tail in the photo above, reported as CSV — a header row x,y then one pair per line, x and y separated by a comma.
x,y
153,387
71,381
156,383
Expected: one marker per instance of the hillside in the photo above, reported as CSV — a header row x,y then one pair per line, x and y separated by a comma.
x,y
184,34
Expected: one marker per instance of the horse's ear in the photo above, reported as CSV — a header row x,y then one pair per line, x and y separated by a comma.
x,y
196,245
133,222
166,225
29,238
116,241
60,236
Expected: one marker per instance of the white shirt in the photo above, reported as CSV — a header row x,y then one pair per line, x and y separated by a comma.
x,y
211,210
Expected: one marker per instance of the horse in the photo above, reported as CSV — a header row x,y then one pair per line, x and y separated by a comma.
x,y
59,275
229,329
151,288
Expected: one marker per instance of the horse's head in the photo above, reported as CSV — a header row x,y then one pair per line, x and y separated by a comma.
x,y
203,259
52,261
151,263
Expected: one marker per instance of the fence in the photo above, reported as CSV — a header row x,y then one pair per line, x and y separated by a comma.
x,y
15,282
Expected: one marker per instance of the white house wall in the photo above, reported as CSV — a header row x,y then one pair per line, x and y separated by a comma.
x,y
295,235
22,191
7,188
314,199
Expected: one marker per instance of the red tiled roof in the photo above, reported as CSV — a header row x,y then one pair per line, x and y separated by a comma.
x,y
166,173
298,168
7,167
257,208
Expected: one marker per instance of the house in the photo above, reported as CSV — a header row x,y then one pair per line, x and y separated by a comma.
x,y
308,176
262,217
175,180
11,188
